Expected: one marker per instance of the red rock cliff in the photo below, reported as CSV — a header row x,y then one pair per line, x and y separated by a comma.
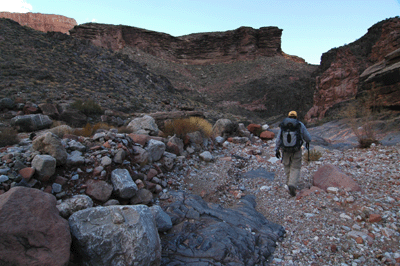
x,y
42,22
340,70
203,48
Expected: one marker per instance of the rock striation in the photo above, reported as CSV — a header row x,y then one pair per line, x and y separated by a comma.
x,y
42,22
341,73
243,43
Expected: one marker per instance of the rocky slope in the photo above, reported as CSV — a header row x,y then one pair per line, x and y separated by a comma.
x,y
55,68
42,22
242,71
341,76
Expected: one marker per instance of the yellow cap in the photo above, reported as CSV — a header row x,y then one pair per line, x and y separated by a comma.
x,y
292,114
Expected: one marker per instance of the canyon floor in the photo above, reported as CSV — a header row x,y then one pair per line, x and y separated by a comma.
x,y
321,228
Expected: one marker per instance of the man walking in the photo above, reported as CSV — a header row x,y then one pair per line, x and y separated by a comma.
x,y
292,133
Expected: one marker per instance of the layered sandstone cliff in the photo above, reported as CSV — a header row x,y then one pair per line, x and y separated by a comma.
x,y
341,75
203,48
42,22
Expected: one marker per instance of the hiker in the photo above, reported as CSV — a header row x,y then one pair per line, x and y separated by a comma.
x,y
292,133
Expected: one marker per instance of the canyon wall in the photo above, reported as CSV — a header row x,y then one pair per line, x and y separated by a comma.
x,y
244,43
342,75
42,22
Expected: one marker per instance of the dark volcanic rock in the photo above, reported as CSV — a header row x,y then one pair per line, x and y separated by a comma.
x,y
207,234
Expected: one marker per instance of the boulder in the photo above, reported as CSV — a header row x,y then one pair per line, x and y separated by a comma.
x,y
119,156
74,204
123,184
155,149
50,110
206,156
75,158
330,176
7,103
141,156
195,137
31,230
163,221
32,122
45,166
143,196
145,124
224,128
51,144
254,128
72,117
175,145
76,146
99,189
116,235
267,135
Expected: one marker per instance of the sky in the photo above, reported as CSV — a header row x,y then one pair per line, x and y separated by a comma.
x,y
310,27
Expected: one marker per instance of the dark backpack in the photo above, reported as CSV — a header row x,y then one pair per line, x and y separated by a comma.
x,y
291,139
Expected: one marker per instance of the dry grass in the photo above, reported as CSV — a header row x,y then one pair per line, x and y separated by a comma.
x,y
314,156
183,126
89,130
361,116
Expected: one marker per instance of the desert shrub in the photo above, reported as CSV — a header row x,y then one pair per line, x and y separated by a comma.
x,y
90,130
88,107
314,156
8,136
360,116
181,127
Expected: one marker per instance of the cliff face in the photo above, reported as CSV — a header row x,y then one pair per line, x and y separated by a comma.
x,y
340,70
242,71
42,22
204,48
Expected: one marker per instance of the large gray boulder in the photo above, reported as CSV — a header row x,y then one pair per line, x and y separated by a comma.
x,y
116,235
33,122
144,125
31,230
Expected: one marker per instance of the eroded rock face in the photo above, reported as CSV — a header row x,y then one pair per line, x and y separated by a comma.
x,y
340,70
203,48
42,22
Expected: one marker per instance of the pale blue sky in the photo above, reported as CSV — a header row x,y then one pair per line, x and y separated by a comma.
x,y
310,27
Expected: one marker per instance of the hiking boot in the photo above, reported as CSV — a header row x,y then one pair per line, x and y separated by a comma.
x,y
292,191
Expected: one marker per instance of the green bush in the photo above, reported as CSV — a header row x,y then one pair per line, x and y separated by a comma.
x,y
88,107
8,136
